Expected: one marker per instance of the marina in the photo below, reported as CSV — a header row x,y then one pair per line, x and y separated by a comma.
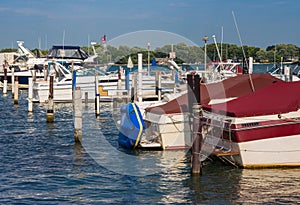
x,y
153,102
166,121
42,164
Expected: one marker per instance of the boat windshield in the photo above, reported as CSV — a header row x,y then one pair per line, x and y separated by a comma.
x,y
67,52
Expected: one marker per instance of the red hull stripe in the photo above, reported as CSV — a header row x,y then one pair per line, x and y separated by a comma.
x,y
266,132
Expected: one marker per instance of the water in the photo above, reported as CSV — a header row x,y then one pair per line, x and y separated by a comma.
x,y
40,164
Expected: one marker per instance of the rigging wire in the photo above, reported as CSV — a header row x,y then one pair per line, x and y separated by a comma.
x,y
238,32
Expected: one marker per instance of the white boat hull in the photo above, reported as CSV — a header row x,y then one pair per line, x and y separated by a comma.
x,y
169,131
274,152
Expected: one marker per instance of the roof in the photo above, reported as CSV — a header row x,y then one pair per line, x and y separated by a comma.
x,y
277,98
232,87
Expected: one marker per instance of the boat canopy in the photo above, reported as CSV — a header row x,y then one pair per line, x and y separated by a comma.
x,y
67,52
277,98
237,86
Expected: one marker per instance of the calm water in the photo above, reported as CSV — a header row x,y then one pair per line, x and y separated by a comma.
x,y
40,164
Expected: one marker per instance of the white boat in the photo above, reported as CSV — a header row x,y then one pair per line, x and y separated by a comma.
x,y
168,125
62,85
261,129
110,85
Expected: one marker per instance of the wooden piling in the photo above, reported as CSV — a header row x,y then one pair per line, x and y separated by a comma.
x,y
77,107
12,81
158,85
16,93
30,95
195,114
140,78
86,99
5,81
45,72
119,83
97,97
50,109
133,88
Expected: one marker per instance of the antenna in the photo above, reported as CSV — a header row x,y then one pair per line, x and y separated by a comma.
x,y
222,42
64,33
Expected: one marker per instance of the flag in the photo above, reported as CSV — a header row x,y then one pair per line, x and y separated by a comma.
x,y
103,39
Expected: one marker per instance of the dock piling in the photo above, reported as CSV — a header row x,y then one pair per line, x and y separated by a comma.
x,y
50,109
140,78
30,95
86,99
97,97
16,91
195,112
5,81
12,81
158,85
77,107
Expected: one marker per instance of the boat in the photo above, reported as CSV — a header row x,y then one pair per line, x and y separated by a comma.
x,y
288,72
168,124
133,126
24,63
260,129
62,85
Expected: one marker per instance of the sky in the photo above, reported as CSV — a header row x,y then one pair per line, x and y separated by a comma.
x,y
43,23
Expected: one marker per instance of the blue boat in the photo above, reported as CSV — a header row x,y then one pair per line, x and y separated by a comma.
x,y
132,126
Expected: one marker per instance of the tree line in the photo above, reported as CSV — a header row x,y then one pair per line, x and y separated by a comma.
x,y
189,54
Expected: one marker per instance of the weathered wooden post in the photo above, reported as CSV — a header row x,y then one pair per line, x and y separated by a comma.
x,y
45,73
127,87
77,103
195,109
97,97
30,95
158,85
16,93
34,75
133,87
5,81
12,81
86,99
120,82
140,78
50,109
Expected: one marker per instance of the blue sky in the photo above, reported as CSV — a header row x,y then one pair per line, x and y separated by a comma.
x,y
43,23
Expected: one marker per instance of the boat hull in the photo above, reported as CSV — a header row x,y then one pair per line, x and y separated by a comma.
x,y
255,142
273,152
169,131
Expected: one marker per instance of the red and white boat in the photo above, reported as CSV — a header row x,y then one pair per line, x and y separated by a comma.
x,y
168,125
261,129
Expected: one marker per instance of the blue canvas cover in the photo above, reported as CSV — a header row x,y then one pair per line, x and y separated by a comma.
x,y
132,126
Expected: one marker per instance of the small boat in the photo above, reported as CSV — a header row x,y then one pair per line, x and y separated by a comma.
x,y
260,129
168,124
132,127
